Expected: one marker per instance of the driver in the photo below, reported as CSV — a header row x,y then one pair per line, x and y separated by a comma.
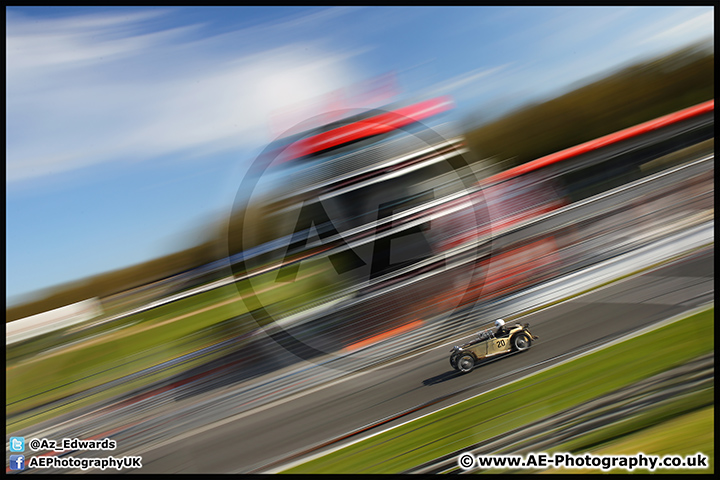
x,y
500,324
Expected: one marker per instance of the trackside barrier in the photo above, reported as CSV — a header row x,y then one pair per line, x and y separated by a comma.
x,y
564,241
673,200
52,320
415,217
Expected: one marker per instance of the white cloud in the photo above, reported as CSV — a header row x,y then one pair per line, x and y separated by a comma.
x,y
695,28
91,38
93,89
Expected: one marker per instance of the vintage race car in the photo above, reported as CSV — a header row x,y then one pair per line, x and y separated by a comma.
x,y
488,343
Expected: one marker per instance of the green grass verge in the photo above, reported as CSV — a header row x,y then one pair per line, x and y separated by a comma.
x,y
684,435
644,425
522,402
33,417
145,339
636,423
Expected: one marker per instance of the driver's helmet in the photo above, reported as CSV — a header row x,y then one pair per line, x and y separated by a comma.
x,y
499,323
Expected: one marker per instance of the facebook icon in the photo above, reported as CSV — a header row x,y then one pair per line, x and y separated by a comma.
x,y
17,462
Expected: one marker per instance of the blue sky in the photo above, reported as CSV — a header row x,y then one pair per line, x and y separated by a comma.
x,y
128,130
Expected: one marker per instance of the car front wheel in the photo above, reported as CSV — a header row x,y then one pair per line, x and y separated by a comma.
x,y
466,363
521,342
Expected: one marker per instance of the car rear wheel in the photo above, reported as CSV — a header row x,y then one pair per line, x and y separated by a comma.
x,y
466,363
453,362
521,342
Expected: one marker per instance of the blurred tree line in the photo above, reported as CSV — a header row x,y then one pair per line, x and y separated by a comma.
x,y
636,94
622,99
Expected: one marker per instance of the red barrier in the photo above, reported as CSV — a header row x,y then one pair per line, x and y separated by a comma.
x,y
586,147
383,123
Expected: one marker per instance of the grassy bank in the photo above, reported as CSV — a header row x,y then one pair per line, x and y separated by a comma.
x,y
519,403
65,364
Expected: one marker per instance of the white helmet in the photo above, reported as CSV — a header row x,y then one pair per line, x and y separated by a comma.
x,y
499,322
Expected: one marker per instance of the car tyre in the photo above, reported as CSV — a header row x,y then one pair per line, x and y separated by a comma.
x,y
521,342
453,362
466,363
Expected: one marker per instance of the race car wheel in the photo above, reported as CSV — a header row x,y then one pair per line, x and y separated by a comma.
x,y
453,362
466,363
521,342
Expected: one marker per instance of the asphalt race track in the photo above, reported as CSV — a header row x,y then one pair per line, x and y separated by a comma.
x,y
265,437
230,416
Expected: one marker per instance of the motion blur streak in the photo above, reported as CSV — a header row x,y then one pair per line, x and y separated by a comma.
x,y
647,127
472,247
415,253
383,123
